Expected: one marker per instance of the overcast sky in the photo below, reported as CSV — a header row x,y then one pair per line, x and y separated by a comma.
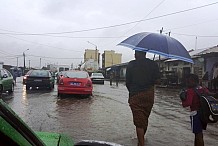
x,y
58,31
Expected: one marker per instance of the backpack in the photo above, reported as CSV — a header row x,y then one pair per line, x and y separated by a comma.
x,y
209,108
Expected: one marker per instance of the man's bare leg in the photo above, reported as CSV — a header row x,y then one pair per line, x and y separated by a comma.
x,y
199,140
140,135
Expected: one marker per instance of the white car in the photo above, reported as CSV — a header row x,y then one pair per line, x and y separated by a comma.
x,y
97,78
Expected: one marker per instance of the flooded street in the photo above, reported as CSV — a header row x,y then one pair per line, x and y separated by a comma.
x,y
106,116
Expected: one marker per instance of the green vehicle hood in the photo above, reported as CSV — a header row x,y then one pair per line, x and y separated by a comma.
x,y
54,139
14,127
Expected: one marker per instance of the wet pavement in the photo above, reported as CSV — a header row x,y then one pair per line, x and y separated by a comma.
x,y
106,116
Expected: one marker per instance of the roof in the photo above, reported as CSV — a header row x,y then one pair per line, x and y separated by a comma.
x,y
198,52
213,49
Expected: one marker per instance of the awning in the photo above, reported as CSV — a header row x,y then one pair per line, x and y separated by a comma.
x,y
108,69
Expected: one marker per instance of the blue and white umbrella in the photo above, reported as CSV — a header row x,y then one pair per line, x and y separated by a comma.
x,y
157,44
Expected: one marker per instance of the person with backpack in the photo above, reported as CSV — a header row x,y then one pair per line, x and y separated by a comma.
x,y
192,100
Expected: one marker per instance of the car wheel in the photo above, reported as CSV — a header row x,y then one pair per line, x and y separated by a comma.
x,y
12,88
60,95
1,89
50,87
27,87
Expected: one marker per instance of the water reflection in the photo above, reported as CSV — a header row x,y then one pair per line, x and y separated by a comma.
x,y
106,116
24,93
74,114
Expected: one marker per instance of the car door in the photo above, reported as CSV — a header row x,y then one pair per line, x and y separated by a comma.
x,y
7,80
13,131
10,78
4,80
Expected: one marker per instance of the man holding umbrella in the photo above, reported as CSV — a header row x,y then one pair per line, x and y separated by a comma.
x,y
141,75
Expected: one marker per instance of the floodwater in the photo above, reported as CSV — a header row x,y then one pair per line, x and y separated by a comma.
x,y
106,116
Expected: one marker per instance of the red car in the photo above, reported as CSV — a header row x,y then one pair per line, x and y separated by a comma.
x,y
75,82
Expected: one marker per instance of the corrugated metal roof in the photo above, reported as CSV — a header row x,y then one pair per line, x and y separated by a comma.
x,y
192,53
210,50
196,52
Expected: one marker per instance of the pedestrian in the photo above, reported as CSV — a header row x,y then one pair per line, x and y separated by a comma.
x,y
117,78
15,74
141,75
192,100
111,78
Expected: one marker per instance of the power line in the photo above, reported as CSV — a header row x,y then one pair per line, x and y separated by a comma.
x,y
52,57
117,25
145,16
190,25
139,22
191,35
42,44
5,53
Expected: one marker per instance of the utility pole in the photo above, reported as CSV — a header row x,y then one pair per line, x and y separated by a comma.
x,y
17,61
29,64
196,39
40,62
24,65
161,30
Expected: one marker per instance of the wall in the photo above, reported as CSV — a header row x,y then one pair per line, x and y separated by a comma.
x,y
209,66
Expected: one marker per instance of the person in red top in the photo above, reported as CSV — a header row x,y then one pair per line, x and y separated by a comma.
x,y
192,100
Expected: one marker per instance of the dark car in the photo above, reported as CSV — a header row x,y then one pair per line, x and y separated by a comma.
x,y
6,81
38,79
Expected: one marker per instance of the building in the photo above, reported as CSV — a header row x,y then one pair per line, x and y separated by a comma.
x,y
110,58
173,71
92,54
205,62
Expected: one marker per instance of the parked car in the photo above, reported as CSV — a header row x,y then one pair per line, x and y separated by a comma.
x,y
6,81
24,79
38,79
97,78
59,75
75,82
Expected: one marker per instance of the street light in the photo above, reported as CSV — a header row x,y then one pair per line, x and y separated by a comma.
x,y
95,49
24,66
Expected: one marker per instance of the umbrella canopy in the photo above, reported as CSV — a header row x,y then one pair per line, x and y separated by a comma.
x,y
157,44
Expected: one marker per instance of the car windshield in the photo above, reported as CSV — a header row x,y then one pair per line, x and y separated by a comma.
x,y
97,74
76,74
39,73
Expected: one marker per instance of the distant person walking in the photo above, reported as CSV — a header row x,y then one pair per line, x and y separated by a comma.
x,y
141,75
111,78
117,77
15,74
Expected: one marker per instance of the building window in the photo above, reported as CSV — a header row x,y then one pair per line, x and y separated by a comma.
x,y
186,63
175,63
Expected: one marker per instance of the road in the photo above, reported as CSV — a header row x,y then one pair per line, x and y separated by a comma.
x,y
106,116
